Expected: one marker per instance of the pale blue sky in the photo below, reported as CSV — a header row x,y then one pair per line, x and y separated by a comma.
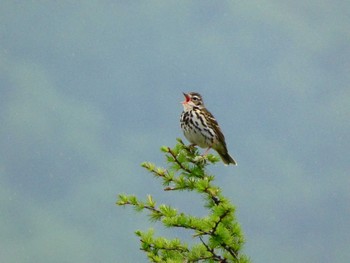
x,y
91,89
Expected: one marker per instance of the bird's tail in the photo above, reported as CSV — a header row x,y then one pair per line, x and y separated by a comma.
x,y
226,158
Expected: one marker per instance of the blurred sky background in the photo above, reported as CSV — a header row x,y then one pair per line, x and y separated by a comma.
x,y
90,89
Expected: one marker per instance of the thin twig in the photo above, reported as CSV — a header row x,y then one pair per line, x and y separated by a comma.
x,y
231,251
212,251
219,221
174,188
177,161
152,246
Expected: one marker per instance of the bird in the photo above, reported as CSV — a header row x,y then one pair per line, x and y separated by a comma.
x,y
200,127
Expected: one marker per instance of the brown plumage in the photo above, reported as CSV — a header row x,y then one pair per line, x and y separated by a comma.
x,y
201,128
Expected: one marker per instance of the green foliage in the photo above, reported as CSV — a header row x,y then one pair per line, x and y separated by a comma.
x,y
219,235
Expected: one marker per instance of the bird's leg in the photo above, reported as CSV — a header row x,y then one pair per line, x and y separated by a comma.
x,y
206,151
192,145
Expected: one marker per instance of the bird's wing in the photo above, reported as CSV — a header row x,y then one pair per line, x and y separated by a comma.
x,y
215,126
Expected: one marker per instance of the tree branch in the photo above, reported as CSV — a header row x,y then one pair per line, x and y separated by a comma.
x,y
177,161
218,257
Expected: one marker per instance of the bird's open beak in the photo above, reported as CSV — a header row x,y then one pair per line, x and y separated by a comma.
x,y
187,98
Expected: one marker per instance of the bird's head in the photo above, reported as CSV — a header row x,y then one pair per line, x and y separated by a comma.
x,y
192,99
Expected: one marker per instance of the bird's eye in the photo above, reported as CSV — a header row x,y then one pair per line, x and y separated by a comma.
x,y
195,98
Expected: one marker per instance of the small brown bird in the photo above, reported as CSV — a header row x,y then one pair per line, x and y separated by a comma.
x,y
200,127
